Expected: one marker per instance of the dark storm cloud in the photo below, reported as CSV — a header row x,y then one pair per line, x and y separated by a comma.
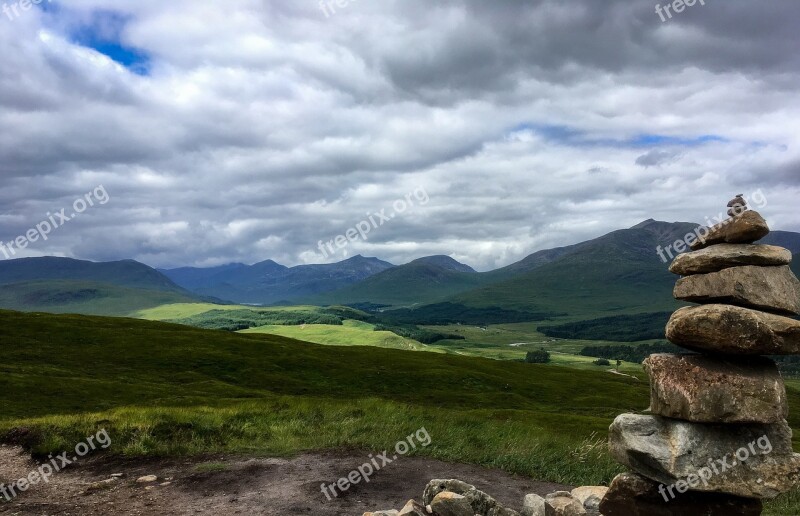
x,y
262,127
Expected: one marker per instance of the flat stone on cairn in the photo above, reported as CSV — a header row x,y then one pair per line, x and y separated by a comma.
x,y
717,438
703,389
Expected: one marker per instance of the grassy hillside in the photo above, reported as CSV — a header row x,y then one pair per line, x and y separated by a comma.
x,y
165,389
85,297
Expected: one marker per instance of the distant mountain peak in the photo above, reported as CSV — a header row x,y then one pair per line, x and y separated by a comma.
x,y
445,262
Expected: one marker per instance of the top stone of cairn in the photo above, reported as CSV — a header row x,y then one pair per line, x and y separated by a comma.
x,y
742,227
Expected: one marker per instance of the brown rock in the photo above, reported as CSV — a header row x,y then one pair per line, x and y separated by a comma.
x,y
722,256
451,504
734,330
561,503
413,508
707,389
634,495
589,497
774,289
748,460
742,229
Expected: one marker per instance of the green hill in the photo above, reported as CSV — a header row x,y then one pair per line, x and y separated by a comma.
x,y
84,297
422,281
617,273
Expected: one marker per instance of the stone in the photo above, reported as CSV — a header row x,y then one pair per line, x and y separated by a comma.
x,y
634,495
737,206
481,502
146,479
101,485
412,508
742,229
774,289
451,504
533,505
733,330
751,461
706,389
722,256
382,513
590,497
561,503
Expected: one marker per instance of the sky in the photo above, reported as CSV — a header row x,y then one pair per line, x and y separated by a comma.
x,y
198,133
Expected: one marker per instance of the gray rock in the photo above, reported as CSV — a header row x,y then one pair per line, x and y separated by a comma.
x,y
533,505
742,229
634,495
722,256
706,389
734,330
481,502
382,513
751,461
590,497
775,289
561,503
451,504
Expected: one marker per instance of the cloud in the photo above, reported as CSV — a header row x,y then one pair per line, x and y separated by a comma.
x,y
252,129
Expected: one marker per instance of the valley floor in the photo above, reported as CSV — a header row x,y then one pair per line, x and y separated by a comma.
x,y
237,485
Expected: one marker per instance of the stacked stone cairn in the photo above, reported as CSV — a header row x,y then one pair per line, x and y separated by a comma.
x,y
716,441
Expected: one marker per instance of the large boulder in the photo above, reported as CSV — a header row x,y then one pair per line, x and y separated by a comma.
x,y
741,229
734,330
590,497
752,461
774,289
634,495
722,256
706,389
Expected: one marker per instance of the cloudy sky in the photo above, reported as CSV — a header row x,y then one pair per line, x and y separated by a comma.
x,y
243,130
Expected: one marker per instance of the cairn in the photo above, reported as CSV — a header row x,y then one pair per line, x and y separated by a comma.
x,y
716,441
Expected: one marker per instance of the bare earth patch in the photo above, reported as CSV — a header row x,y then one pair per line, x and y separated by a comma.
x,y
237,485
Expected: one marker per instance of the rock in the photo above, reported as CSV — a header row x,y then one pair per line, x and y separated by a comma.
x,y
634,495
774,289
146,479
752,461
734,330
737,206
742,229
451,504
101,485
707,389
382,513
722,256
561,503
481,503
533,505
412,508
590,497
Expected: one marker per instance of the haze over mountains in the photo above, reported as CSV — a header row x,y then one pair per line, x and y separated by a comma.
x,y
616,273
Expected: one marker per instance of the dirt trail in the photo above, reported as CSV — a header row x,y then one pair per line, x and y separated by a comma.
x,y
237,485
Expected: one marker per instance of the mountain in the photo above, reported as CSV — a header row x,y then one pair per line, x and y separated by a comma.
x,y
61,285
125,273
424,280
790,241
270,282
620,272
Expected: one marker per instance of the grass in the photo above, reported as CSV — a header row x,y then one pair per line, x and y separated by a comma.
x,y
351,333
169,390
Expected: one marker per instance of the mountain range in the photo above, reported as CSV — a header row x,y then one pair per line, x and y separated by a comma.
x,y
619,272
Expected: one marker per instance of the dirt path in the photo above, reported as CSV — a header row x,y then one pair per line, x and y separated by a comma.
x,y
235,485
